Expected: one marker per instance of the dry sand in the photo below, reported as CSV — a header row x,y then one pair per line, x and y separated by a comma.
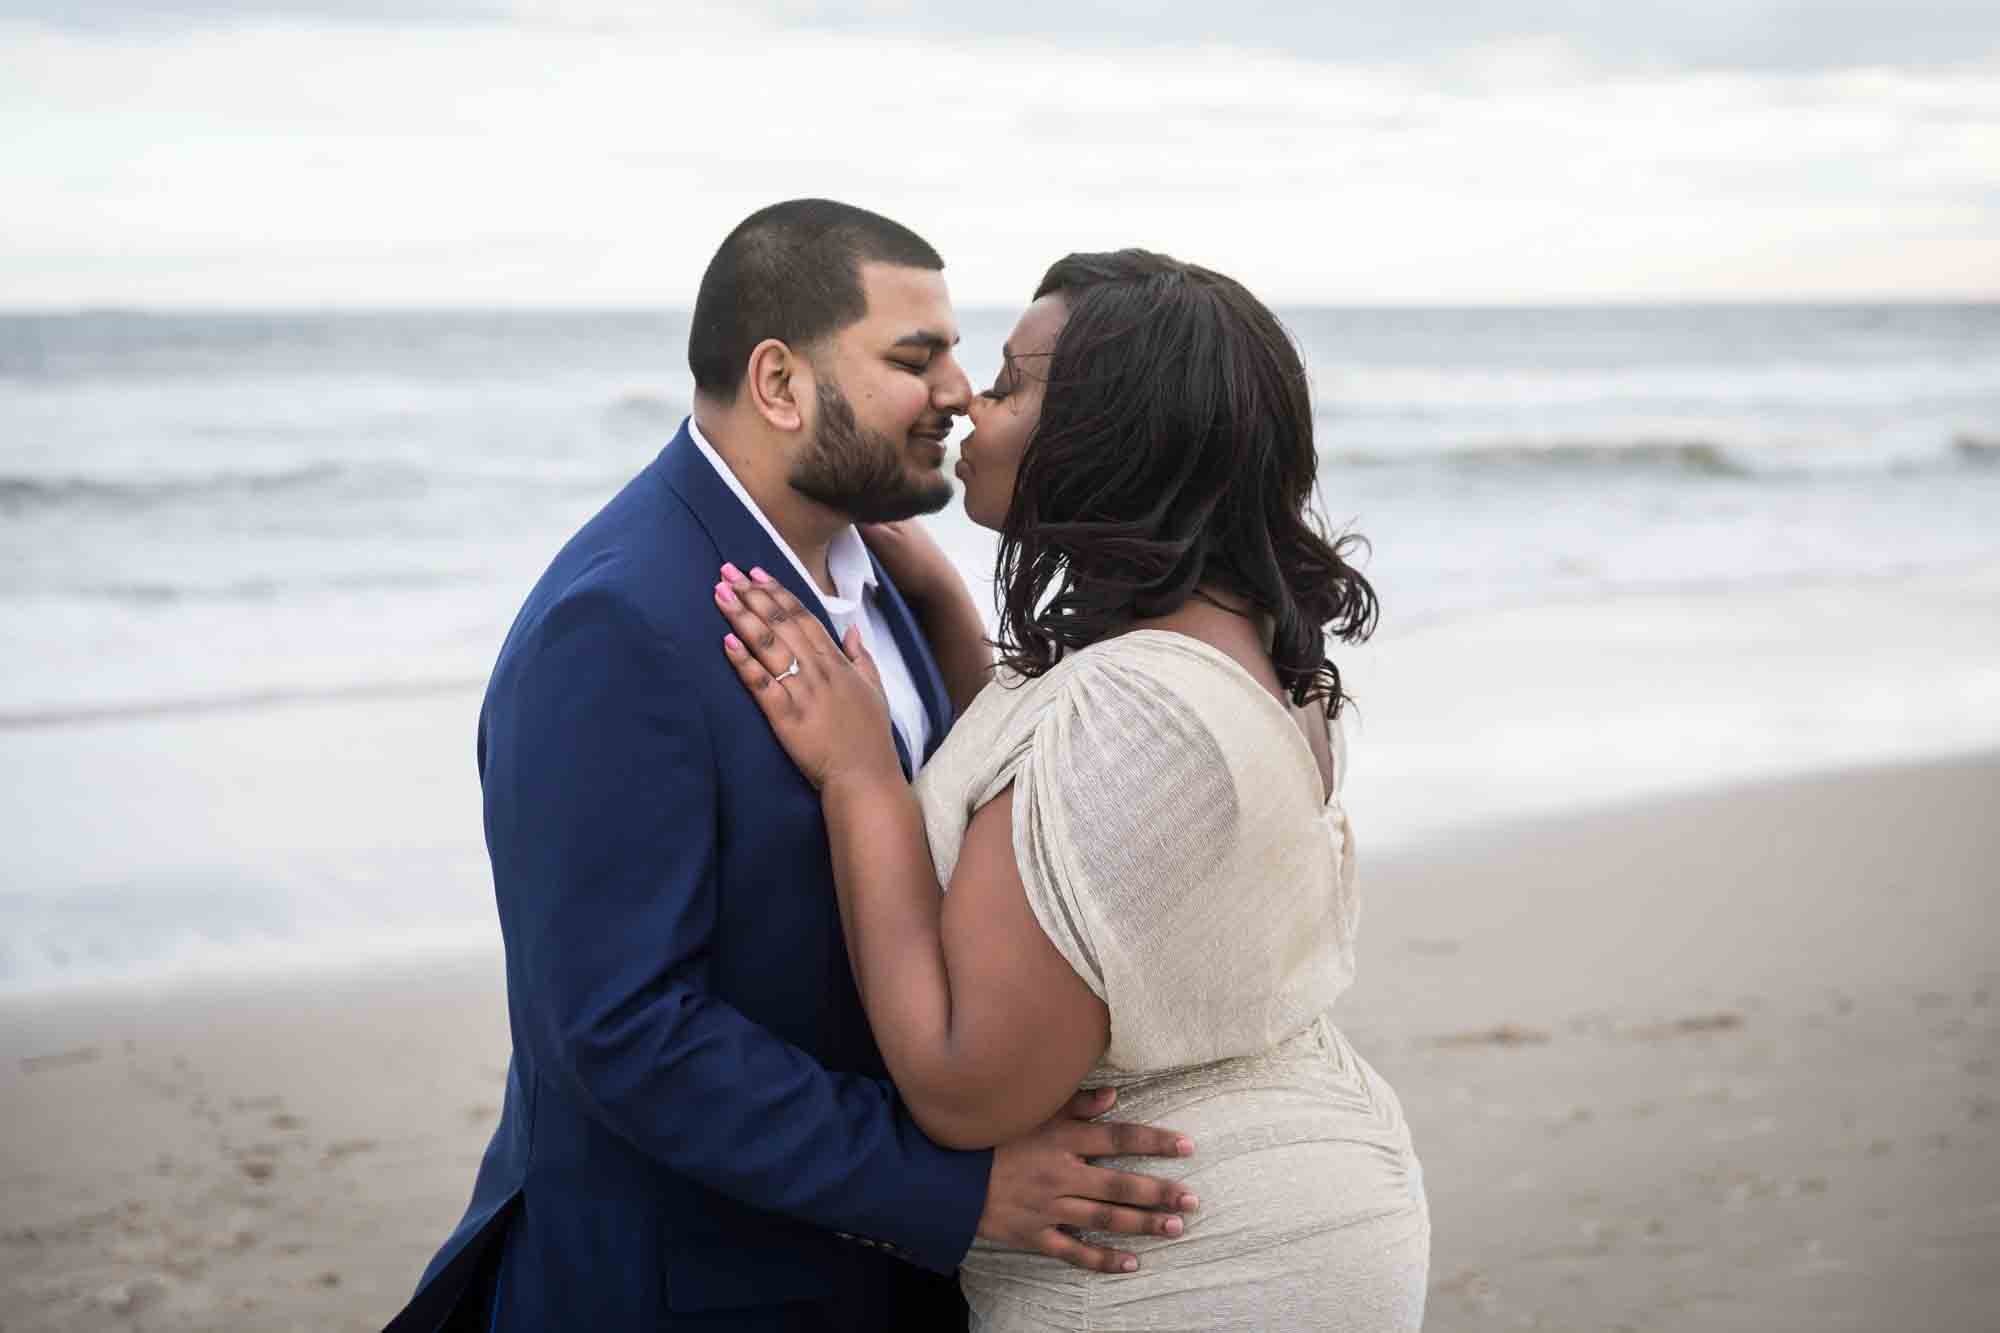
x,y
1724,1062
1728,1061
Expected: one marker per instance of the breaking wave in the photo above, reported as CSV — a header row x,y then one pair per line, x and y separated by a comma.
x,y
1671,458
22,493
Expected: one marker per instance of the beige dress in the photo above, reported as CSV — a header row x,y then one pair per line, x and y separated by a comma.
x,y
1173,843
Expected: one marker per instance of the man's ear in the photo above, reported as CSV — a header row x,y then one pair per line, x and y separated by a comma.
x,y
777,378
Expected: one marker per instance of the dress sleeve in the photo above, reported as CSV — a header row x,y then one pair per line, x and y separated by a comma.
x,y
1125,813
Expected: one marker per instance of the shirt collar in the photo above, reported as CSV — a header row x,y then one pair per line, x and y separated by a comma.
x,y
847,561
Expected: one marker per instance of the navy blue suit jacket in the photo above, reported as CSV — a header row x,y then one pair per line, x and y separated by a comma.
x,y
696,1117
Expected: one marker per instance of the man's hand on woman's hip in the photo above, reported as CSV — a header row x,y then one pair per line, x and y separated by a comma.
x,y
1044,1187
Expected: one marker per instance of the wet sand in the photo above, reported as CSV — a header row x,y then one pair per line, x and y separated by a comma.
x,y
1722,1061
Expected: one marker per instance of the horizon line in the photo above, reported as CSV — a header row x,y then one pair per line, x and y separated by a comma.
x,y
82,309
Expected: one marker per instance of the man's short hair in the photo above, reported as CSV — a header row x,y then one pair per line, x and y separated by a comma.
x,y
791,271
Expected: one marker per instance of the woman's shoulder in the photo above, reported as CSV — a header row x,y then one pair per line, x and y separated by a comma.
x,y
1132,676
1196,673
1168,658
1216,701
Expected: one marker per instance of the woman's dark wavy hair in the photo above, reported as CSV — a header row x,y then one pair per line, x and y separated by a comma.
x,y
1175,448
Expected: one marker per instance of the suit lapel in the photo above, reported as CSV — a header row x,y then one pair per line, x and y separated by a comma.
x,y
735,530
741,538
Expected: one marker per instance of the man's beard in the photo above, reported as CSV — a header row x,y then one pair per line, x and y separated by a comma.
x,y
861,473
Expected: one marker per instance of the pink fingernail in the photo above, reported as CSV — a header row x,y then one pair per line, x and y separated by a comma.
x,y
1173,1226
725,594
1190,1203
732,573
1185,1147
1130,1265
732,643
757,575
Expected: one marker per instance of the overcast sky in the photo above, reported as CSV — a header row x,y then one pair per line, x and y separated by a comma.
x,y
481,152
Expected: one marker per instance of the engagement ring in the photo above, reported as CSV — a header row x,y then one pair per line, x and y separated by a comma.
x,y
789,671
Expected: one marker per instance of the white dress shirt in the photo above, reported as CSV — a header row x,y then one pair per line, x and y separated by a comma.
x,y
853,602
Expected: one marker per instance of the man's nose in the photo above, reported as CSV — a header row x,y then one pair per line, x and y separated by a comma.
x,y
952,391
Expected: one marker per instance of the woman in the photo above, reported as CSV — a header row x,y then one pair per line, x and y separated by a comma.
x,y
1150,877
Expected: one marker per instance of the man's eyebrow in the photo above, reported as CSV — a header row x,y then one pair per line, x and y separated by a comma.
x,y
928,340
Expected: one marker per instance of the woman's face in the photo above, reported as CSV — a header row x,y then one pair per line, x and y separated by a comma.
x,y
1005,416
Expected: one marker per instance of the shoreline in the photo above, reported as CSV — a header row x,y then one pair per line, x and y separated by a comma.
x,y
1722,1060
224,842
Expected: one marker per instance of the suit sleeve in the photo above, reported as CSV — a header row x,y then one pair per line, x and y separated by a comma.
x,y
601,818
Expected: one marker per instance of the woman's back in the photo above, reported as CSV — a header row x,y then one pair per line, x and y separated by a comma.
x,y
1174,845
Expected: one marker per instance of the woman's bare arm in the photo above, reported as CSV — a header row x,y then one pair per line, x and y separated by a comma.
x,y
985,1028
958,640
940,601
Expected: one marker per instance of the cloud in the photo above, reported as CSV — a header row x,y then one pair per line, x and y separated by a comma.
x,y
1778,35
1760,35
170,16
505,163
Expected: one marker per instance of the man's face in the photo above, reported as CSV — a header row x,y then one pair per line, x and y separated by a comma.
x,y
885,391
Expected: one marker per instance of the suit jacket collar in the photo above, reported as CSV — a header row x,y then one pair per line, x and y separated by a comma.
x,y
737,533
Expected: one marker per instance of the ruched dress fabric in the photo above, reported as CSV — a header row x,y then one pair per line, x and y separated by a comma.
x,y
1172,839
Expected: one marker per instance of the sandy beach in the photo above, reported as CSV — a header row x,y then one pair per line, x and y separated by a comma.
x,y
1727,1060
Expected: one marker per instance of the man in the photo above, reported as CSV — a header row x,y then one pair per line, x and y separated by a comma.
x,y
698,1129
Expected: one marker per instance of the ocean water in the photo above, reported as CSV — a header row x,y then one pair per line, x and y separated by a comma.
x,y
254,568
